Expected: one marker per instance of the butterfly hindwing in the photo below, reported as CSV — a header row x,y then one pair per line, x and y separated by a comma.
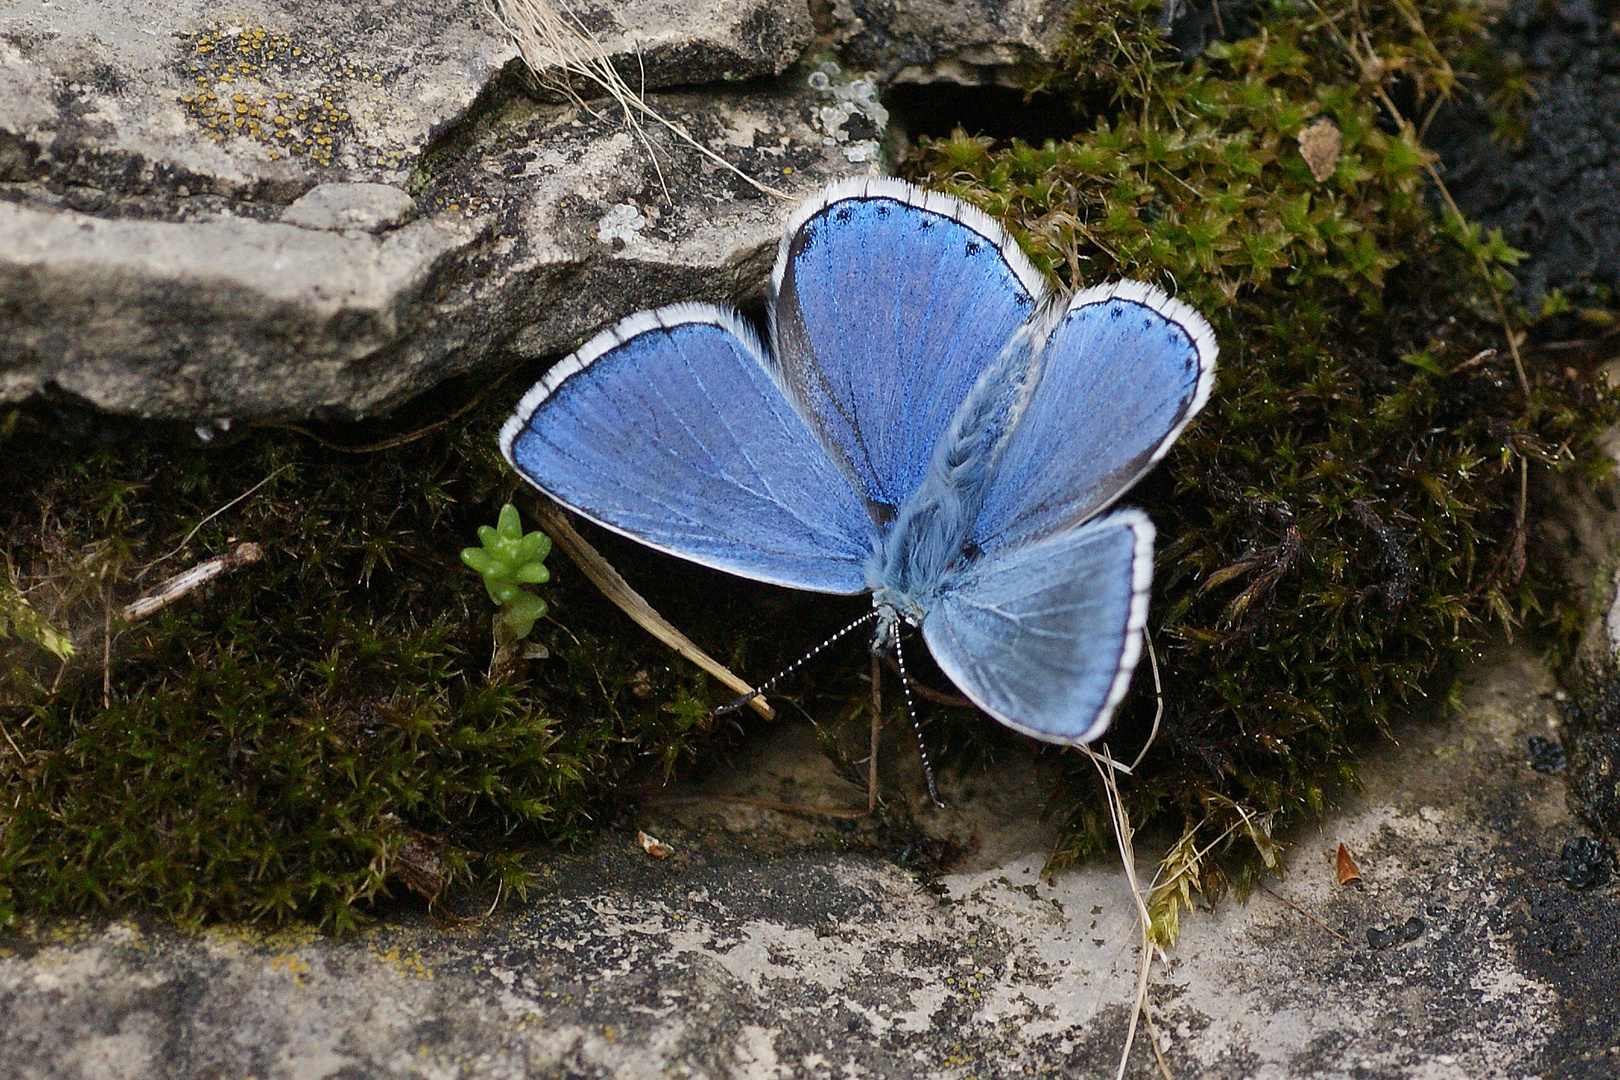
x,y
1123,371
671,429
888,303
1044,637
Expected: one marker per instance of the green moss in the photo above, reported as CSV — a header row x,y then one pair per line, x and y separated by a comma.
x,y
1342,523
311,730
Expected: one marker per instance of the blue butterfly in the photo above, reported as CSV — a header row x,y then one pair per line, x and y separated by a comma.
x,y
928,425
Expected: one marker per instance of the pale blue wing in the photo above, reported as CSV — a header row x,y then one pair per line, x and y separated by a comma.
x,y
670,429
1044,637
1123,371
887,304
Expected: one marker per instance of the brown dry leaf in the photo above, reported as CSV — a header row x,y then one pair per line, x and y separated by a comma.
x,y
654,846
1348,871
419,864
1319,145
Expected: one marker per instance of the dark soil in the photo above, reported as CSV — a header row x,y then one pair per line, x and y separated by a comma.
x,y
1546,170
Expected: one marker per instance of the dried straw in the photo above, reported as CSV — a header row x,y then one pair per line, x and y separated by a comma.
x,y
559,48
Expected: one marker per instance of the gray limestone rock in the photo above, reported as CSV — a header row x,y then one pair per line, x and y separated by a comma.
x,y
207,318
127,103
166,177
663,43
968,42
368,207
756,950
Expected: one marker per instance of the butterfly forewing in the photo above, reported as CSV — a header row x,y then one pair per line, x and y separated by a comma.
x,y
1123,372
671,429
889,302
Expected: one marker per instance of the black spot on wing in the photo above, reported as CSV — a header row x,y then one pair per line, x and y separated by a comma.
x,y
973,248
809,235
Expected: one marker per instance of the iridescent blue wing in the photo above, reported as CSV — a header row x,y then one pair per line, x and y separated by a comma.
x,y
1122,373
1044,637
671,429
888,302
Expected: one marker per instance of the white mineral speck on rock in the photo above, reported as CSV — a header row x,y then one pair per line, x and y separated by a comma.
x,y
622,222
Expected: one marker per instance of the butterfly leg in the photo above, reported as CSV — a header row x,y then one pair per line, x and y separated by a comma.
x,y
877,726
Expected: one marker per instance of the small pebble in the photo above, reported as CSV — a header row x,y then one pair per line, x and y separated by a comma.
x,y
1547,755
1586,863
1382,937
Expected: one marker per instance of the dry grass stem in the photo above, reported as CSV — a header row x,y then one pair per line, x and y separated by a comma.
x,y
198,527
1124,835
1318,920
557,46
555,524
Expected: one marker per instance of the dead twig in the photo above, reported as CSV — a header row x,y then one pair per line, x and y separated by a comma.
x,y
928,693
183,583
1315,919
395,441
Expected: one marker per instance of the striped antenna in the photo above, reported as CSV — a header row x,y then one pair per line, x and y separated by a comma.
x,y
770,683
911,710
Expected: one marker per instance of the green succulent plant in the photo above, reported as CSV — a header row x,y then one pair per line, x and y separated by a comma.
x,y
508,560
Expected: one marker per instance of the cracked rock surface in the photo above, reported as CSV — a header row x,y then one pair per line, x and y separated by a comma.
x,y
661,43
966,42
758,950
320,209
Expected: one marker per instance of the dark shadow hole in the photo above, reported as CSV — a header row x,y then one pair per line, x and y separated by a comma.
x,y
1001,113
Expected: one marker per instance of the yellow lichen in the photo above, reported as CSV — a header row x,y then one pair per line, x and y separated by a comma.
x,y
271,68
408,964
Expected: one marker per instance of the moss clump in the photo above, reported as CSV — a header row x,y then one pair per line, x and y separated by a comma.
x,y
310,731
1346,517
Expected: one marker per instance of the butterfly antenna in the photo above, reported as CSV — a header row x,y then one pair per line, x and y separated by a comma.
x,y
770,683
911,711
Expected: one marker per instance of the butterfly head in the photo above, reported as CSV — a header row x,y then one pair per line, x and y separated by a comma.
x,y
894,607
